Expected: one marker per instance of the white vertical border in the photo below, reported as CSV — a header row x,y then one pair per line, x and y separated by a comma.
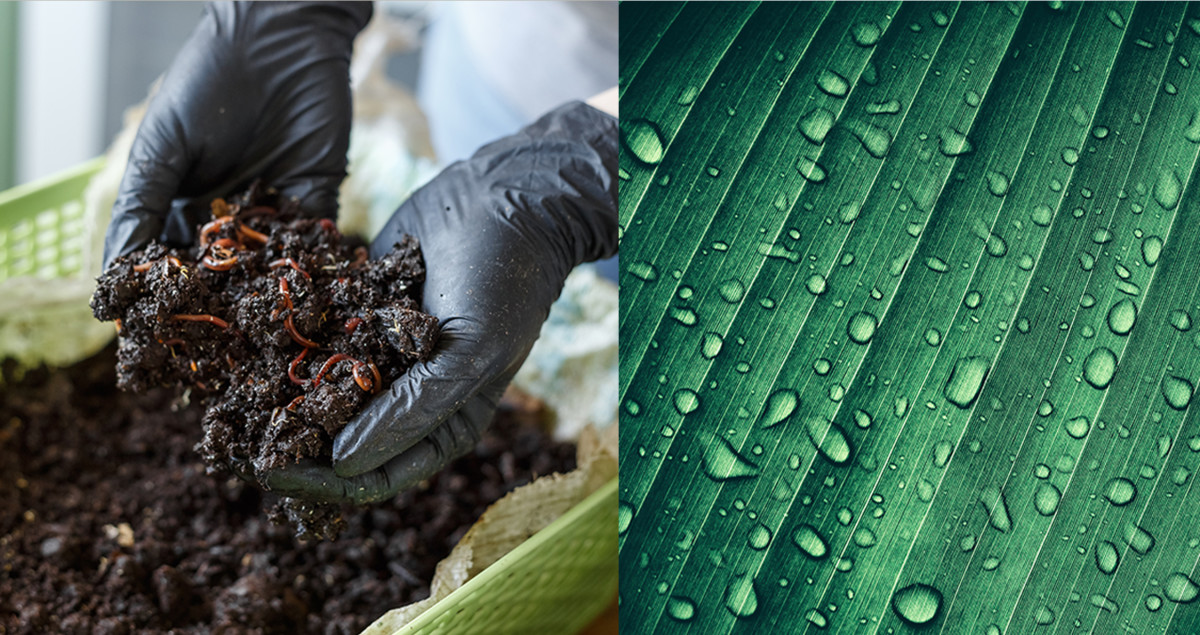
x,y
61,69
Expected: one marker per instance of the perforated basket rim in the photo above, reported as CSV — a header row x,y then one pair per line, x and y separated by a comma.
x,y
605,495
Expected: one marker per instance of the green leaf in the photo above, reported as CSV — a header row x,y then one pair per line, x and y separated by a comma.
x,y
911,287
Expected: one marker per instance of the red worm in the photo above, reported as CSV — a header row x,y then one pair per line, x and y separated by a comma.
x,y
363,382
288,262
203,317
224,264
146,266
329,363
287,322
257,210
212,227
292,370
245,232
352,324
295,402
174,341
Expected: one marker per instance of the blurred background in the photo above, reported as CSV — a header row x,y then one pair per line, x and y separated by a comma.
x,y
480,70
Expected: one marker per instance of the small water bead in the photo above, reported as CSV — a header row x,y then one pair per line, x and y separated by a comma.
x,y
864,538
933,337
811,542
732,290
780,405
953,143
684,316
1041,215
624,516
887,107
1070,156
1077,427
822,366
972,299
937,264
1100,367
1153,603
687,95
1137,538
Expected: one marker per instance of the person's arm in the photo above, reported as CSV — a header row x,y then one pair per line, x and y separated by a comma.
x,y
259,90
499,232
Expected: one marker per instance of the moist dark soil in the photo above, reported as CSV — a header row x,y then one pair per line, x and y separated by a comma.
x,y
279,324
109,522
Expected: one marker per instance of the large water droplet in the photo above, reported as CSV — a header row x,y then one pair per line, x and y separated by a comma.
x,y
1180,320
1099,367
997,508
995,246
686,401
815,284
1041,215
643,270
965,381
1192,132
681,608
861,327
760,537
810,541
874,139
811,170
888,107
1045,499
1177,391
917,603
1116,18
732,290
936,264
1077,427
941,453
624,516
832,83
711,345
740,597
722,462
684,315
816,618
829,439
866,33
780,405
1107,557
953,143
1138,539
643,140
1167,189
1180,588
1122,316
1152,249
815,126
1120,491
997,183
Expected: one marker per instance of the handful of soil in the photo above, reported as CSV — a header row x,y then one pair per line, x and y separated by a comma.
x,y
278,322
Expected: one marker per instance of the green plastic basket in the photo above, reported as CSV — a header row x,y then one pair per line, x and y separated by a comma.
x,y
556,581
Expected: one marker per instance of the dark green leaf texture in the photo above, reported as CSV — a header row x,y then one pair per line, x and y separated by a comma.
x,y
906,317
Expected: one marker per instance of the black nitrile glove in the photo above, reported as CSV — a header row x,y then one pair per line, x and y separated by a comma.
x,y
499,232
259,90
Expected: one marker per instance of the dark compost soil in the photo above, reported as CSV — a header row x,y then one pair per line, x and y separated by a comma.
x,y
110,524
283,328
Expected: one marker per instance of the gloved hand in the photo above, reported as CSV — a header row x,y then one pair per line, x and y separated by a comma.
x,y
499,232
258,90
